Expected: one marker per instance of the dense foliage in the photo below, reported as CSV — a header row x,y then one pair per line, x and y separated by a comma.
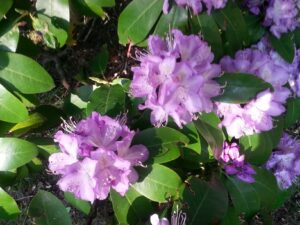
x,y
196,133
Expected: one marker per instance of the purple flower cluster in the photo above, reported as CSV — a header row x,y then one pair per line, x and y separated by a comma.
x,y
96,156
176,78
280,15
256,115
196,5
234,163
285,161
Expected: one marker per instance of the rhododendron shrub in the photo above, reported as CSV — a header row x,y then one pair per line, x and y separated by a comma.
x,y
195,126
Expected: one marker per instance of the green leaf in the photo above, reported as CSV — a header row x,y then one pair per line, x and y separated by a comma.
x,y
284,46
231,218
46,146
255,29
24,73
11,109
15,152
54,8
191,132
240,88
158,183
266,187
8,207
137,19
258,147
53,30
232,23
5,6
207,202
46,209
34,120
243,195
206,24
9,40
99,63
81,205
292,114
131,209
297,37
162,143
7,178
107,100
176,18
207,126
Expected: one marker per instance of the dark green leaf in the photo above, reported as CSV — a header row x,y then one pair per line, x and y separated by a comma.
x,y
258,147
207,126
46,209
11,109
131,209
15,152
81,205
107,100
292,112
284,46
176,18
207,26
191,132
297,37
255,28
8,207
244,197
162,143
158,183
5,6
231,218
46,146
266,187
232,23
99,63
207,202
137,19
239,87
24,73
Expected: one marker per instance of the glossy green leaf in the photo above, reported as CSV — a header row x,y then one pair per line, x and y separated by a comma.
x,y
284,46
131,209
11,109
15,152
266,187
34,120
24,73
46,146
5,6
243,195
46,209
107,100
54,8
137,19
239,87
258,147
207,126
207,202
254,26
158,183
7,178
176,18
292,114
8,207
9,40
162,143
81,205
191,132
206,25
232,23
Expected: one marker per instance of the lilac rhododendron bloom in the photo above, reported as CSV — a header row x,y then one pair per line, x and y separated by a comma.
x,y
234,163
280,15
176,78
285,161
257,115
196,5
96,156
